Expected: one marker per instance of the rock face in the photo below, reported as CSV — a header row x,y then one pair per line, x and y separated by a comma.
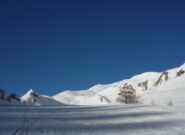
x,y
34,96
163,76
143,85
179,73
104,99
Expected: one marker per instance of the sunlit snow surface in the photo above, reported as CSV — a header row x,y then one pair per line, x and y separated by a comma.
x,y
93,120
161,111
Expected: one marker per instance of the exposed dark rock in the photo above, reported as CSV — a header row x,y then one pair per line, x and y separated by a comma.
x,y
144,85
179,73
160,79
34,96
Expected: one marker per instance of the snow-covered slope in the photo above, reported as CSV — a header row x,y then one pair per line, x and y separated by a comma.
x,y
171,92
155,85
4,103
150,87
32,98
92,120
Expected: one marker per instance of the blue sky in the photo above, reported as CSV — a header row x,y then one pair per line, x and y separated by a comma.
x,y
52,46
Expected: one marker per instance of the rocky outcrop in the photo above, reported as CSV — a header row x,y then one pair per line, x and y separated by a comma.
x,y
103,99
143,85
34,96
163,76
179,73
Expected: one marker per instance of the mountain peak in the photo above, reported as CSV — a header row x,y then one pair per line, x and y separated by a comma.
x,y
28,94
30,91
32,98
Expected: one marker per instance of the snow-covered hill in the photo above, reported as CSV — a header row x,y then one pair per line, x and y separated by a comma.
x,y
32,98
157,82
170,92
151,87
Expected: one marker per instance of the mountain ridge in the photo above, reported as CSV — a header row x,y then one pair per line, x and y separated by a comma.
x,y
108,94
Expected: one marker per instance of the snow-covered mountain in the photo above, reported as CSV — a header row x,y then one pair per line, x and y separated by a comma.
x,y
150,87
32,98
149,83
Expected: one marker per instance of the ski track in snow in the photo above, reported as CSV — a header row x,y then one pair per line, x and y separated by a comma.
x,y
92,120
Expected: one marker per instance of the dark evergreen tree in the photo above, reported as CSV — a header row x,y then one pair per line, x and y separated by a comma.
x,y
2,94
11,97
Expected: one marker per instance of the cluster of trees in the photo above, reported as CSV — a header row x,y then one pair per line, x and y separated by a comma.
x,y
11,97
127,94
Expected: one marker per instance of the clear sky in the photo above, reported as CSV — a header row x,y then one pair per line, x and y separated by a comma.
x,y
52,46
